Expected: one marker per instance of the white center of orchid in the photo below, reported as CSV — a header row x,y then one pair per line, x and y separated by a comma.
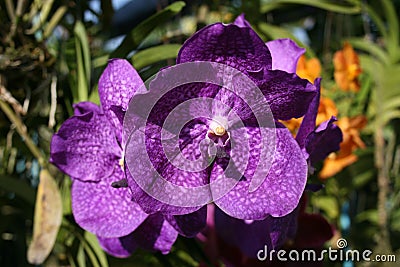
x,y
219,125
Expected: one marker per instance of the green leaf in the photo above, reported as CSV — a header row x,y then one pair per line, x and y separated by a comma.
x,y
43,14
393,26
392,103
54,21
65,190
328,204
323,4
154,54
98,251
371,48
140,32
368,215
82,61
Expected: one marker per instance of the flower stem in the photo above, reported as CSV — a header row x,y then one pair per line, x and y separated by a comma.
x,y
22,130
383,189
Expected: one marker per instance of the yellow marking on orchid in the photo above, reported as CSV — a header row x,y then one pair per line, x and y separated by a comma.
x,y
219,130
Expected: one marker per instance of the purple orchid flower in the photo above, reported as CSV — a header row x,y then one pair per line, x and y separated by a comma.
x,y
271,67
307,230
89,148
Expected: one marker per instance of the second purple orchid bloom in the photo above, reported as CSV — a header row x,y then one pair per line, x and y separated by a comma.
x,y
90,146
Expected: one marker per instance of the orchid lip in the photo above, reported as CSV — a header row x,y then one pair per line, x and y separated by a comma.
x,y
219,130
219,125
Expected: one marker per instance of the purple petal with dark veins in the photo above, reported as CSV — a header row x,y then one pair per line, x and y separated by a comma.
x,y
155,234
104,210
252,236
241,101
323,141
236,45
165,177
308,123
121,247
278,194
118,83
85,147
252,151
288,95
285,54
85,107
171,87
191,224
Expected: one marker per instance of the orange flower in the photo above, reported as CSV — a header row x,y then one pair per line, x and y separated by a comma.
x,y
310,70
347,68
351,141
326,110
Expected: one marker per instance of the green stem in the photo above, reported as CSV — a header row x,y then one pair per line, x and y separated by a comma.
x,y
22,130
383,178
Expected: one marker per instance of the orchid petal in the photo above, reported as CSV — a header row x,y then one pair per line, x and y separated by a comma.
x,y
279,193
84,147
285,54
103,210
236,45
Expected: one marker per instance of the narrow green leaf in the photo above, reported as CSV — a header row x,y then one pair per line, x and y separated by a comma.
x,y
81,256
65,190
389,115
44,13
323,4
154,54
371,48
97,250
328,204
368,215
393,27
82,61
54,21
140,32
100,61
91,255
392,103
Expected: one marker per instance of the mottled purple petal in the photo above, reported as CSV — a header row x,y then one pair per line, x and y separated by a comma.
x,y
189,225
236,45
288,95
85,147
155,234
85,107
118,83
252,236
279,193
285,54
121,247
146,160
323,141
308,123
171,87
104,210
